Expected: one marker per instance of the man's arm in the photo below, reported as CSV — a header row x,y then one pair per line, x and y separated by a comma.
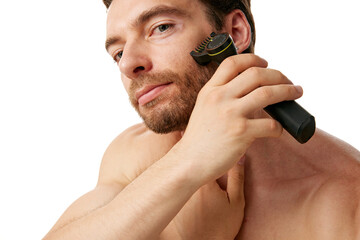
x,y
99,212
142,209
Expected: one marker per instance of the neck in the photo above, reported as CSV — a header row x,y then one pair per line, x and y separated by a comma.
x,y
278,159
284,159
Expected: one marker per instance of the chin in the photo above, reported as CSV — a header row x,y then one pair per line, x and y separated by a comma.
x,y
165,118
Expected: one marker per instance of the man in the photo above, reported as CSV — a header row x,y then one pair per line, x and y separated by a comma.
x,y
207,149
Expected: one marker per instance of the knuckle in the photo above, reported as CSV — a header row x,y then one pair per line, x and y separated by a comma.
x,y
229,62
265,93
278,74
275,127
228,111
238,178
254,72
253,59
282,77
242,127
214,97
291,90
209,95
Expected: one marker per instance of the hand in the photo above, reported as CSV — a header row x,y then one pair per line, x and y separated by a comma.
x,y
223,124
213,213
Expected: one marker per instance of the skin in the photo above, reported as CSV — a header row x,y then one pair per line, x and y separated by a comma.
x,y
233,173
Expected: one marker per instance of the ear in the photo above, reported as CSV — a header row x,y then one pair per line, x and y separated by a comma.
x,y
236,24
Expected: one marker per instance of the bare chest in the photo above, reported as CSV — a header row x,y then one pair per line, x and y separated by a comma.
x,y
279,213
274,221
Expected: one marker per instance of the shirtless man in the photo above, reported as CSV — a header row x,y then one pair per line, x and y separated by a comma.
x,y
218,150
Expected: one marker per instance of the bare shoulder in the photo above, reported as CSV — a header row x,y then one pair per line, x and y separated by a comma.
x,y
332,147
334,211
334,205
132,152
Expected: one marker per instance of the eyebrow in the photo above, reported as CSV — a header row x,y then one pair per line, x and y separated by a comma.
x,y
146,16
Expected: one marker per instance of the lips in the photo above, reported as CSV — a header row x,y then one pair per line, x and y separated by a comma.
x,y
149,93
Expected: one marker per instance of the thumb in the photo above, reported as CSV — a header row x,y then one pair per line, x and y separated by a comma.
x,y
235,182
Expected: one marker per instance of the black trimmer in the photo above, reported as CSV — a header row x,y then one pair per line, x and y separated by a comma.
x,y
294,119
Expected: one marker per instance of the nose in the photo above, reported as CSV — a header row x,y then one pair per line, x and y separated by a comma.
x,y
134,61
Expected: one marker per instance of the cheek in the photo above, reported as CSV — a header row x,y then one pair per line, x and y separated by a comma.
x,y
180,58
171,56
174,55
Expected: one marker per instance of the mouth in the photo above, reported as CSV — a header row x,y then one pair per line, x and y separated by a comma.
x,y
149,93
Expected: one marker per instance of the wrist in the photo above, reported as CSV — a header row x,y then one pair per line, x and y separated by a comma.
x,y
189,167
180,169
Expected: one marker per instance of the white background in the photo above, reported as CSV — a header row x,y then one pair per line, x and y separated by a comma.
x,y
62,102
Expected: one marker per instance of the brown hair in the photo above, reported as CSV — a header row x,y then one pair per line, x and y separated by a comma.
x,y
218,9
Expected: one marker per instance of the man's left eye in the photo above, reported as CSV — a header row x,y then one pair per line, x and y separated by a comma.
x,y
162,30
163,27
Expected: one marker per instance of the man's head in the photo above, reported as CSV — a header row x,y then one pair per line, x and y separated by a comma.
x,y
151,40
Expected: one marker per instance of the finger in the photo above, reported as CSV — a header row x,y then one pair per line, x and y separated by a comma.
x,y
268,95
261,128
235,182
253,78
213,186
233,65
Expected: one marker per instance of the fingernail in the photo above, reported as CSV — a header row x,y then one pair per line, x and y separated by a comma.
x,y
242,160
299,89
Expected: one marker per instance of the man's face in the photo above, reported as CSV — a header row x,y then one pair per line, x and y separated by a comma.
x,y
151,41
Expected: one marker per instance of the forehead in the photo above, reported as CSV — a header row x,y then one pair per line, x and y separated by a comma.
x,y
122,13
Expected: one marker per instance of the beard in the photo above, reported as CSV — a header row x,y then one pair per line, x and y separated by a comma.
x,y
175,114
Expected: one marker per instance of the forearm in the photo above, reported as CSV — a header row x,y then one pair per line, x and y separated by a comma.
x,y
142,210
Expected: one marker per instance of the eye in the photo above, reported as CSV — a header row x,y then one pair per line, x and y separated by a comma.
x,y
163,28
118,56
